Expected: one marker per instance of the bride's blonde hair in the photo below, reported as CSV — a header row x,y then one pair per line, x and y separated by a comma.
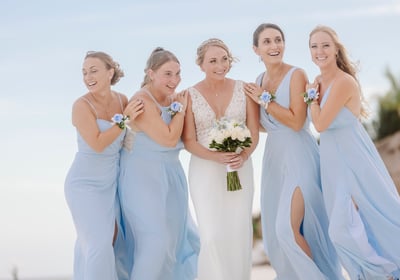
x,y
213,42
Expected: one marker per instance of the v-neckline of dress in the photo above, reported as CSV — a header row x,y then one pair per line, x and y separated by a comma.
x,y
209,106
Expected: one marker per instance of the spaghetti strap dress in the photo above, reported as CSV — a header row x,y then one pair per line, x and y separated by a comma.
x,y
353,173
291,160
90,191
154,197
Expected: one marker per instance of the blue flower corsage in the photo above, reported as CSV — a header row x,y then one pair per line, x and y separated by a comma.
x,y
175,107
310,95
120,120
265,98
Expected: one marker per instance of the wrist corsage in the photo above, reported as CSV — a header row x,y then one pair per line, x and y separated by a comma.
x,y
175,107
120,120
265,98
310,95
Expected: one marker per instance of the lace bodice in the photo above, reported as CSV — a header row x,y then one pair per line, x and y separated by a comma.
x,y
205,117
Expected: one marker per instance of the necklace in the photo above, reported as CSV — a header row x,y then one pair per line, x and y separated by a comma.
x,y
214,89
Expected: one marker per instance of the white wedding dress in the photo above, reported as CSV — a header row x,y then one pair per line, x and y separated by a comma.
x,y
224,217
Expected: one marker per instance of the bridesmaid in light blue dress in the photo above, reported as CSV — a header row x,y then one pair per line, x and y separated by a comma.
x,y
152,184
294,221
360,197
91,183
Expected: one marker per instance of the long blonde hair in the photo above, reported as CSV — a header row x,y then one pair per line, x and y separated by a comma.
x,y
343,61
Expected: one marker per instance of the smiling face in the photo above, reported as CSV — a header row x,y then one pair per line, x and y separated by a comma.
x,y
95,75
322,48
167,77
271,46
216,63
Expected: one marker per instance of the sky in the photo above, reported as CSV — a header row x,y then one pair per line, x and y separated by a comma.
x,y
42,46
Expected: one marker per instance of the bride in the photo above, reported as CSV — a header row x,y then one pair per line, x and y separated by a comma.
x,y
224,217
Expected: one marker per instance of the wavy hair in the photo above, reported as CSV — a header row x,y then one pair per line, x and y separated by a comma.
x,y
343,61
109,63
213,42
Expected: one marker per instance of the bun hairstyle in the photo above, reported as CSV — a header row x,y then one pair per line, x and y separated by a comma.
x,y
109,63
213,42
158,57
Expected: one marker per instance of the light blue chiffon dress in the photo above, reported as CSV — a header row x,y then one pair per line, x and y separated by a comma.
x,y
154,197
90,191
367,239
291,160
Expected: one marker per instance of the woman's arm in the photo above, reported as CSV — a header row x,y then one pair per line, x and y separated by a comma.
x,y
344,92
295,115
151,122
84,119
253,124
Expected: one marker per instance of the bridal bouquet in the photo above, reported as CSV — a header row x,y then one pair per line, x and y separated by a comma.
x,y
228,135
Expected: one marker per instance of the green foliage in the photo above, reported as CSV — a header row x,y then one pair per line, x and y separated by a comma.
x,y
257,228
229,144
388,121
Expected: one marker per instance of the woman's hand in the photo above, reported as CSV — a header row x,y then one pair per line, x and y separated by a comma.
x,y
182,97
134,108
237,162
253,91
224,158
314,85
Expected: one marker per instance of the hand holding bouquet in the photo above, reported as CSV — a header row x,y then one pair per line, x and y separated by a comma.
x,y
228,135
